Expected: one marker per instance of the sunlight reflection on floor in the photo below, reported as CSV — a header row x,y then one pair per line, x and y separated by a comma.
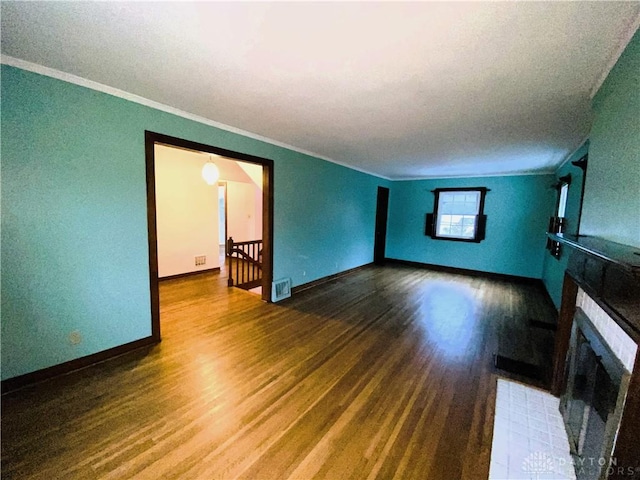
x,y
449,316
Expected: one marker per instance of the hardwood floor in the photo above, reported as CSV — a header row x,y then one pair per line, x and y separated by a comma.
x,y
385,373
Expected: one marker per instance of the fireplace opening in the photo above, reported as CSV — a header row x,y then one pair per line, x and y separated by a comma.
x,y
594,399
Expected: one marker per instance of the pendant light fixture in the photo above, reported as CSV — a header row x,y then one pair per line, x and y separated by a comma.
x,y
210,172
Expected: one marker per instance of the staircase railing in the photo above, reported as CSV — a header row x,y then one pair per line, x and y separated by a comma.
x,y
245,263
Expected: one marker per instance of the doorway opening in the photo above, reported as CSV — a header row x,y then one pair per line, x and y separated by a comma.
x,y
380,239
261,174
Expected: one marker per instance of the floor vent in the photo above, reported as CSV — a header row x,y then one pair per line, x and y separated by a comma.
x,y
281,289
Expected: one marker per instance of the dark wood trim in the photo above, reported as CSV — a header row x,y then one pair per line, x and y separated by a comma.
x,y
246,258
563,334
468,272
176,142
453,239
153,138
609,273
626,449
623,322
320,281
21,381
481,218
460,189
189,274
566,180
267,228
582,164
152,233
625,256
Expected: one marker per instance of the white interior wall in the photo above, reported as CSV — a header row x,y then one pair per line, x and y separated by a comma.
x,y
258,213
253,171
222,234
186,212
241,209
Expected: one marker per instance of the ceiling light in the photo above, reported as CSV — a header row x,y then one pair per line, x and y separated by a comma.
x,y
210,172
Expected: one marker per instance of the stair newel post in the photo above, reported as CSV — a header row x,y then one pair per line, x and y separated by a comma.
x,y
229,254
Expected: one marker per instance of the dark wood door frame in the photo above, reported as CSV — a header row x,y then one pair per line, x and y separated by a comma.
x,y
380,239
150,140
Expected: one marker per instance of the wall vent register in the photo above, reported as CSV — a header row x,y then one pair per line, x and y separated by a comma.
x,y
281,289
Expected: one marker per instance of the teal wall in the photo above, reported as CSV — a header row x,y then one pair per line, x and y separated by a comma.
x,y
517,210
74,228
611,206
324,220
553,269
73,232
612,187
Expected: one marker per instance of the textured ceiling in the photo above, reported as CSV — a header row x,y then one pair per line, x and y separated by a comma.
x,y
402,90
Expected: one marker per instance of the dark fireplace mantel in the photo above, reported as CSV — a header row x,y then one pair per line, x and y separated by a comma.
x,y
624,255
609,273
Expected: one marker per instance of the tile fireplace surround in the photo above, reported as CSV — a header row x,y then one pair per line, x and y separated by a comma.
x,y
622,345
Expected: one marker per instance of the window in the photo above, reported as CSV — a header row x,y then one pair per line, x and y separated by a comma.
x,y
558,223
562,187
562,202
458,214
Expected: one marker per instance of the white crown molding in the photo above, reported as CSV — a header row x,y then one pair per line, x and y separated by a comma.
x,y
484,175
83,82
624,41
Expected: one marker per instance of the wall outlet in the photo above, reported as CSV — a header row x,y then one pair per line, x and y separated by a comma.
x,y
75,337
201,260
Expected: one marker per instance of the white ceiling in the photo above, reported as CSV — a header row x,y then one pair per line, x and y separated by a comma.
x,y
402,90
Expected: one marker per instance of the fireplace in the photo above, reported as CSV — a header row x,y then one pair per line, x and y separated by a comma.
x,y
596,364
592,404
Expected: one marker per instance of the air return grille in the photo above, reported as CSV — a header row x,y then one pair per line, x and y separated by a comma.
x,y
281,289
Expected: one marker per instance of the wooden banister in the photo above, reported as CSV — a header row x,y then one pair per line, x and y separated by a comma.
x,y
245,263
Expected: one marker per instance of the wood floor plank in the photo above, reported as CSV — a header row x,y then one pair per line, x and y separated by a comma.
x,y
383,373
